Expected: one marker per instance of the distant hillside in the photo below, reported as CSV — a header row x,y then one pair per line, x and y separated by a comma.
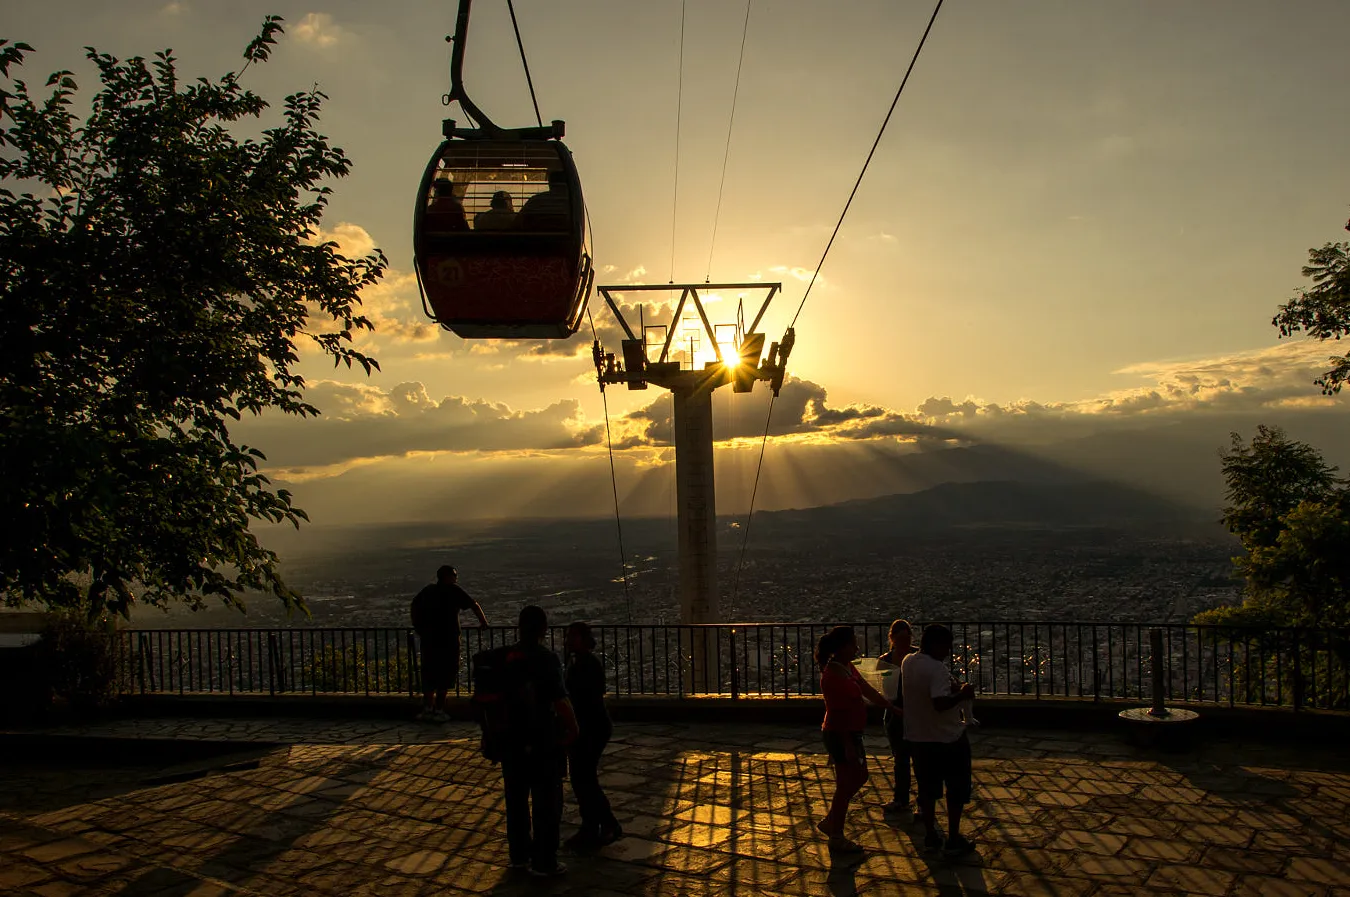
x,y
996,504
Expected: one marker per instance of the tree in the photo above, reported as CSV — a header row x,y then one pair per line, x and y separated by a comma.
x,y
157,278
1292,516
1267,480
1323,311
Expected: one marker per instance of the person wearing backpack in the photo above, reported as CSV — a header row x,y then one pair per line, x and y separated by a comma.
x,y
435,618
541,724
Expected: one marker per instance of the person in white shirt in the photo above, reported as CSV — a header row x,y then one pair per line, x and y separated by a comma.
x,y
937,736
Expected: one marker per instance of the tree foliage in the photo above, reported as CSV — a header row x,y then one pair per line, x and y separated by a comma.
x,y
1292,515
158,277
1323,310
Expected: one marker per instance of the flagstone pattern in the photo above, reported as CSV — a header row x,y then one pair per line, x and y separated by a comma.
x,y
373,807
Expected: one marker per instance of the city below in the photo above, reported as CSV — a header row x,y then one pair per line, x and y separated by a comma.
x,y
970,551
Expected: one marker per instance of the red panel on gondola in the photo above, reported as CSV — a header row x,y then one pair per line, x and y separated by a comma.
x,y
529,297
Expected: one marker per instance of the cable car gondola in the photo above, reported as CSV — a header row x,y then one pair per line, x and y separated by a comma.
x,y
499,230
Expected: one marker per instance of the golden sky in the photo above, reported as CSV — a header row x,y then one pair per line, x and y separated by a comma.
x,y
1080,221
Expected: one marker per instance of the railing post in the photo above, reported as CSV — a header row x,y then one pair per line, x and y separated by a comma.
x,y
414,668
140,660
272,671
735,679
1298,673
1155,645
1096,666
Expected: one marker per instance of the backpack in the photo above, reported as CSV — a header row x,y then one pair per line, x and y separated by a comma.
x,y
490,700
505,704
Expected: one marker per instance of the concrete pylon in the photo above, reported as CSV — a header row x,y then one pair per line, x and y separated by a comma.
x,y
697,521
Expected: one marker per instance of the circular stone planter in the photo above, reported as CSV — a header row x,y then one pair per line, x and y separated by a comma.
x,y
1166,729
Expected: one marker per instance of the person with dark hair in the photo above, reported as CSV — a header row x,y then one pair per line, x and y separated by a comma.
x,y
446,212
586,688
845,694
550,210
937,738
435,618
542,726
901,639
499,215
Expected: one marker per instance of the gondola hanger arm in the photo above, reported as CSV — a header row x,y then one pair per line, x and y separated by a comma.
x,y
486,127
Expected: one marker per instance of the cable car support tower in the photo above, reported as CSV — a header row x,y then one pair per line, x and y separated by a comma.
x,y
646,359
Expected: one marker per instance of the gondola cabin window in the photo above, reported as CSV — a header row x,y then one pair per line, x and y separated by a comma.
x,y
496,192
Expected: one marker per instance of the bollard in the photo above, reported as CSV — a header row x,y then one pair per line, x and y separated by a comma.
x,y
1159,672
1157,726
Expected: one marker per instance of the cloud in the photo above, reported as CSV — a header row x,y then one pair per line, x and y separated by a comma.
x,y
318,28
360,422
1279,377
392,304
801,412
1243,383
796,272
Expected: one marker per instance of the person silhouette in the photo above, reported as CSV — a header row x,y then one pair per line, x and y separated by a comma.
x,y
550,210
937,738
500,216
901,639
846,694
446,212
542,726
435,618
586,687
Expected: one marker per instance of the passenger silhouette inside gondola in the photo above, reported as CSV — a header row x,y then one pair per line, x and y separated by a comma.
x,y
550,210
446,212
501,215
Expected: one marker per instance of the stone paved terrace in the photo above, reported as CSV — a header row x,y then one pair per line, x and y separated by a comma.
x,y
313,807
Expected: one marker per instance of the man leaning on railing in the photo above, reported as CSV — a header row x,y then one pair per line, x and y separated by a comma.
x,y
435,617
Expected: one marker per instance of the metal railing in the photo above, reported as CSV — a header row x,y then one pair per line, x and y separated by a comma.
x,y
1298,668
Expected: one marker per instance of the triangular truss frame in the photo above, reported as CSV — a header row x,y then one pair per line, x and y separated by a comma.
x,y
637,371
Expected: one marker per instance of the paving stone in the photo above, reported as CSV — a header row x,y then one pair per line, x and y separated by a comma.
x,y
1042,886
92,865
1025,859
1019,835
1103,843
1319,870
422,862
1146,827
1294,841
1225,835
1155,849
15,874
1191,879
1108,868
1246,861
58,888
1266,886
54,851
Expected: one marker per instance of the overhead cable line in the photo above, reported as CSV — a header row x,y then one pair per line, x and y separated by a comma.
x,y
769,417
872,152
510,5
735,92
754,491
679,109
614,487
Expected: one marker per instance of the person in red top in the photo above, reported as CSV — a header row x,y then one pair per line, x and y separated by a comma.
x,y
845,695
